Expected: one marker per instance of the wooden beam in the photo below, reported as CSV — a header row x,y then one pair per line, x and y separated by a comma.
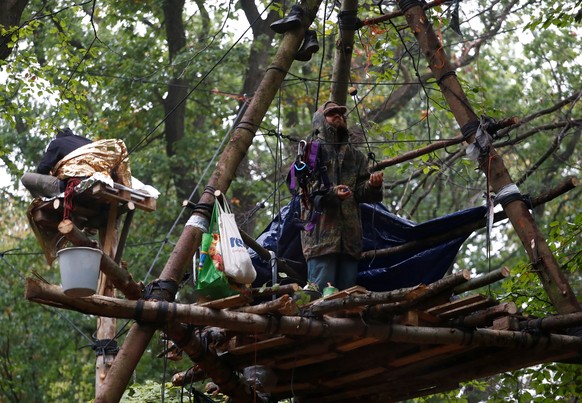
x,y
74,235
151,311
483,280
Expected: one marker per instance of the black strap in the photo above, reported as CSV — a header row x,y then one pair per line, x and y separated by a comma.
x,y
406,5
349,21
161,290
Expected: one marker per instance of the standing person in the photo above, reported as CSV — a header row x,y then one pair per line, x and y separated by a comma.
x,y
43,183
332,243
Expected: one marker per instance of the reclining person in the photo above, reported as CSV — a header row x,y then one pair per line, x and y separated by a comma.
x,y
42,183
72,156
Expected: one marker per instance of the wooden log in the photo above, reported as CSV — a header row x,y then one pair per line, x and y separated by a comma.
x,y
152,311
283,305
121,279
438,287
323,306
75,235
483,280
228,302
449,308
553,322
485,316
277,290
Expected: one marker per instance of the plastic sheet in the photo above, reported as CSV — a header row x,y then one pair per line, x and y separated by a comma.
x,y
381,229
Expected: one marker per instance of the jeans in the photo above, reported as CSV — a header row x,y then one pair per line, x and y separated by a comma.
x,y
338,270
41,185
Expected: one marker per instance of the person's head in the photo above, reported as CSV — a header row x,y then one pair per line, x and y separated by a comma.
x,y
335,115
64,132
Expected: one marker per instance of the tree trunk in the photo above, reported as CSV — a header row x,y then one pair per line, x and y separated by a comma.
x,y
342,65
542,259
10,13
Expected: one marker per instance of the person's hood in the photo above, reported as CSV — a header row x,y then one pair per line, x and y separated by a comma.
x,y
321,130
65,132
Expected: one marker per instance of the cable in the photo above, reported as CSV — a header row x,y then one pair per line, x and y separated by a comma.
x,y
50,309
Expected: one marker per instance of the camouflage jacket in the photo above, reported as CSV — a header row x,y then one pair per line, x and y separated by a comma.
x,y
338,229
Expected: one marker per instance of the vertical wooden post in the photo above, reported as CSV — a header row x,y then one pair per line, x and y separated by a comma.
x,y
106,327
492,165
139,336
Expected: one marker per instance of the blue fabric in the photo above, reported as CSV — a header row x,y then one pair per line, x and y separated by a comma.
x,y
381,229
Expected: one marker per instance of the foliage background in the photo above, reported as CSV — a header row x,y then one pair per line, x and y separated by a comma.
x,y
169,79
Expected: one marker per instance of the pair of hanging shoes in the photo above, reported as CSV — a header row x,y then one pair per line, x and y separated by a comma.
x,y
293,20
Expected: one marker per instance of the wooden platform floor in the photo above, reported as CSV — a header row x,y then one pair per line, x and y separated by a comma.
x,y
377,369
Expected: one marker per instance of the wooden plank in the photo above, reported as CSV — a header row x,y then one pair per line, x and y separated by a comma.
x,y
354,377
262,345
228,302
427,353
437,310
338,295
467,309
101,190
300,362
356,343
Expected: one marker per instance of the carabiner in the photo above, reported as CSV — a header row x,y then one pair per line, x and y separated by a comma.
x,y
301,148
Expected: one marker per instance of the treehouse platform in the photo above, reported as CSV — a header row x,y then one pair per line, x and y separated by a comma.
x,y
352,346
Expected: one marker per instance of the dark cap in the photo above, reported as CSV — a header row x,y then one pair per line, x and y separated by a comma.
x,y
64,132
331,106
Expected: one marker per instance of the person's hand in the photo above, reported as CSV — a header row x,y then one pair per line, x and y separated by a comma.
x,y
376,179
343,192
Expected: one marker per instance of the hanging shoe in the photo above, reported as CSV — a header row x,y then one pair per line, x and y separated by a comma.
x,y
292,20
309,46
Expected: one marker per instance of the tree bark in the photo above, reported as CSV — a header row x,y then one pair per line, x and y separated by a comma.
x,y
541,258
293,325
340,78
10,14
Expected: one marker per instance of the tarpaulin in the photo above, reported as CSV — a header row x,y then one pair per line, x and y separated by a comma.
x,y
381,229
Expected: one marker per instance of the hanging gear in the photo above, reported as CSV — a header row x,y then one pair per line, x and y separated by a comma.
x,y
309,168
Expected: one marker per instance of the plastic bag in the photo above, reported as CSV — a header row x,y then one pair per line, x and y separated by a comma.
x,y
211,281
237,261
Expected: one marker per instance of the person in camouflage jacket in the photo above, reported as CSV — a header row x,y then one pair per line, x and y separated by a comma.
x,y
332,245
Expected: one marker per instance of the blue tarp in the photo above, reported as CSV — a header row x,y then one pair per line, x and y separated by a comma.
x,y
381,229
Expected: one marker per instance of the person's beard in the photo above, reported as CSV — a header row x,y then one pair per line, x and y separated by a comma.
x,y
342,133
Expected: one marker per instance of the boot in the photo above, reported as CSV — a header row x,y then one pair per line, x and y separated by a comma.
x,y
292,20
308,47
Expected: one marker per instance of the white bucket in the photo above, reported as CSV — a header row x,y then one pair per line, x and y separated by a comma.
x,y
79,270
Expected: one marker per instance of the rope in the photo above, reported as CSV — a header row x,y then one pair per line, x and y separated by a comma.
x,y
69,194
